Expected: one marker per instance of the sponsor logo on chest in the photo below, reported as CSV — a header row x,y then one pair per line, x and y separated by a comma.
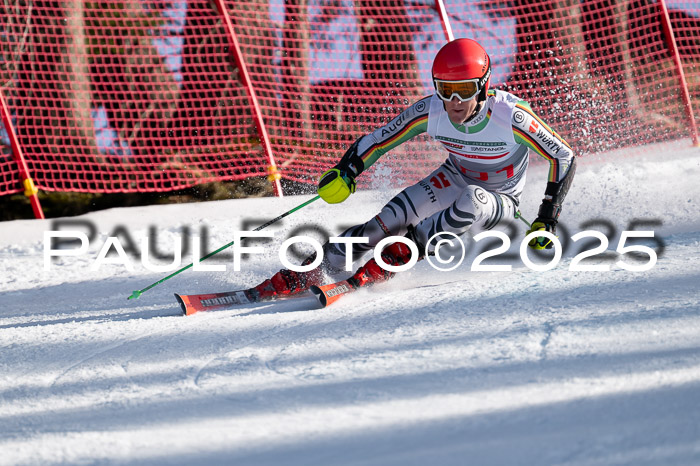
x,y
474,149
478,119
483,149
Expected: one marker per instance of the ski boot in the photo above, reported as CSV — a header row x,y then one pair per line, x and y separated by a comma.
x,y
288,282
395,254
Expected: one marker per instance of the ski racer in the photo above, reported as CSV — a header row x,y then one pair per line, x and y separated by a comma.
x,y
488,135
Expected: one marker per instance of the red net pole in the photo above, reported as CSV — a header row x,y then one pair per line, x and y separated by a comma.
x,y
673,49
273,174
445,20
29,189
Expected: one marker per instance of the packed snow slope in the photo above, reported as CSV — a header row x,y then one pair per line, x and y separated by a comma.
x,y
452,368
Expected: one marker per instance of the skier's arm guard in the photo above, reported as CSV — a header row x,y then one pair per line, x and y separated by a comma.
x,y
548,215
351,163
554,197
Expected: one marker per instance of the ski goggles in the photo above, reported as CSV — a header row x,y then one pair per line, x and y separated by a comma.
x,y
464,90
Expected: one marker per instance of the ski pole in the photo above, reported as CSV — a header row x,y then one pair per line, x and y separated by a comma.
x,y
136,294
520,216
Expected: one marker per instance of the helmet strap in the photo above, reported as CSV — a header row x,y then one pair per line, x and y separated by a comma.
x,y
483,94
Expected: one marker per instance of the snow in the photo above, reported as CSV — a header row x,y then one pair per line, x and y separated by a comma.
x,y
465,367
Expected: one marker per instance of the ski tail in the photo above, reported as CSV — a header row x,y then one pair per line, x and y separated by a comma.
x,y
328,294
183,304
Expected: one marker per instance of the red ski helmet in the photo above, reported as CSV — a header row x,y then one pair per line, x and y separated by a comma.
x,y
462,61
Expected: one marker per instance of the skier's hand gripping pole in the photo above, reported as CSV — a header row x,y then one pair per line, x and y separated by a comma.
x,y
136,294
335,186
338,183
541,242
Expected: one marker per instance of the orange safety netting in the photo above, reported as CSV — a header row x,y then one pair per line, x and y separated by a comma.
x,y
115,96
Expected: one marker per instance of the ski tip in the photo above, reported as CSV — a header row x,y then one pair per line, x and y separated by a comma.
x,y
182,304
320,295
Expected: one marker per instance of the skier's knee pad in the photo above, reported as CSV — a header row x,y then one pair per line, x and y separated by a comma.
x,y
474,200
488,208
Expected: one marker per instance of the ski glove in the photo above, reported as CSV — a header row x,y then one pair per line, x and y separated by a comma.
x,y
335,186
542,242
